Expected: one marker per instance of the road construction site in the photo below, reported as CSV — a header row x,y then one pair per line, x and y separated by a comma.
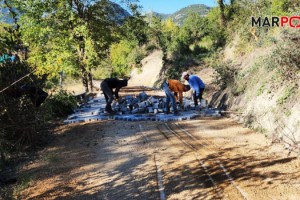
x,y
204,157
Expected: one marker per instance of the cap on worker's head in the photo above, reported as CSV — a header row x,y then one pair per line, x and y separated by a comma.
x,y
184,74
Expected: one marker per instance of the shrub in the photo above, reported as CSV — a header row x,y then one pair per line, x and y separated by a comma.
x,y
225,76
124,55
60,104
20,120
286,56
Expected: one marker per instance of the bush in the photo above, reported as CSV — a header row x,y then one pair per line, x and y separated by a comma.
x,y
124,55
20,121
286,55
225,76
60,104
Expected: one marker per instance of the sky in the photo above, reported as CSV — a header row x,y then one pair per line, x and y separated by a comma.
x,y
171,6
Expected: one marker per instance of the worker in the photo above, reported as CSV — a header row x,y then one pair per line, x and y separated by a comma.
x,y
173,88
107,86
197,84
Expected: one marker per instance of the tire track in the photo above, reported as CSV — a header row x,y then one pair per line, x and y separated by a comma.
x,y
169,133
193,139
159,173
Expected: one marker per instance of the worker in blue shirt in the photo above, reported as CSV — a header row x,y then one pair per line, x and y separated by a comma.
x,y
197,84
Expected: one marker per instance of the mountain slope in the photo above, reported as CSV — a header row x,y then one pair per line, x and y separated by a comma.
x,y
179,16
263,96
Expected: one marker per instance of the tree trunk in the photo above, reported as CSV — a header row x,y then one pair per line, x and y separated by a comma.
x,y
90,76
84,72
222,8
84,77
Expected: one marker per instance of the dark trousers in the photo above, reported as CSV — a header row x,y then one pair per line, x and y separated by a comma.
x,y
196,97
108,94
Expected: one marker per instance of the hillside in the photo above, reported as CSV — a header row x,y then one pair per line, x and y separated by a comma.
x,y
119,13
179,16
152,64
264,94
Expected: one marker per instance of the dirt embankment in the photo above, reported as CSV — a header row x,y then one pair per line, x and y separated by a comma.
x,y
149,74
263,98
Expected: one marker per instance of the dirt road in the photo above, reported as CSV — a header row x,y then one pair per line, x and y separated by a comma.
x,y
198,159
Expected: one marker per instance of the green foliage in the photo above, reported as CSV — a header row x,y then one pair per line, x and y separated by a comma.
x,y
50,44
124,56
24,182
71,36
284,7
261,89
51,157
178,65
60,104
120,55
135,27
226,76
102,71
20,122
215,31
193,29
155,32
206,42
4,37
288,92
177,42
285,57
169,38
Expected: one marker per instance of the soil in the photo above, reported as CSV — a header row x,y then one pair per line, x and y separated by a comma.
x,y
150,71
205,158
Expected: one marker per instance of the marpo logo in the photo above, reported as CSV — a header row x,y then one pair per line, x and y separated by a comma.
x,y
293,21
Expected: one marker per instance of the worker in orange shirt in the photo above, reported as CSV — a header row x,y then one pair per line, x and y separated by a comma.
x,y
173,88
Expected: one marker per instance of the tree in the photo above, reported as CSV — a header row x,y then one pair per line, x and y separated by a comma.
x,y
135,27
283,7
67,35
193,29
215,32
222,10
121,58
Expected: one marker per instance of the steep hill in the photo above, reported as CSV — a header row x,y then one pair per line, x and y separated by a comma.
x,y
179,16
119,13
264,96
